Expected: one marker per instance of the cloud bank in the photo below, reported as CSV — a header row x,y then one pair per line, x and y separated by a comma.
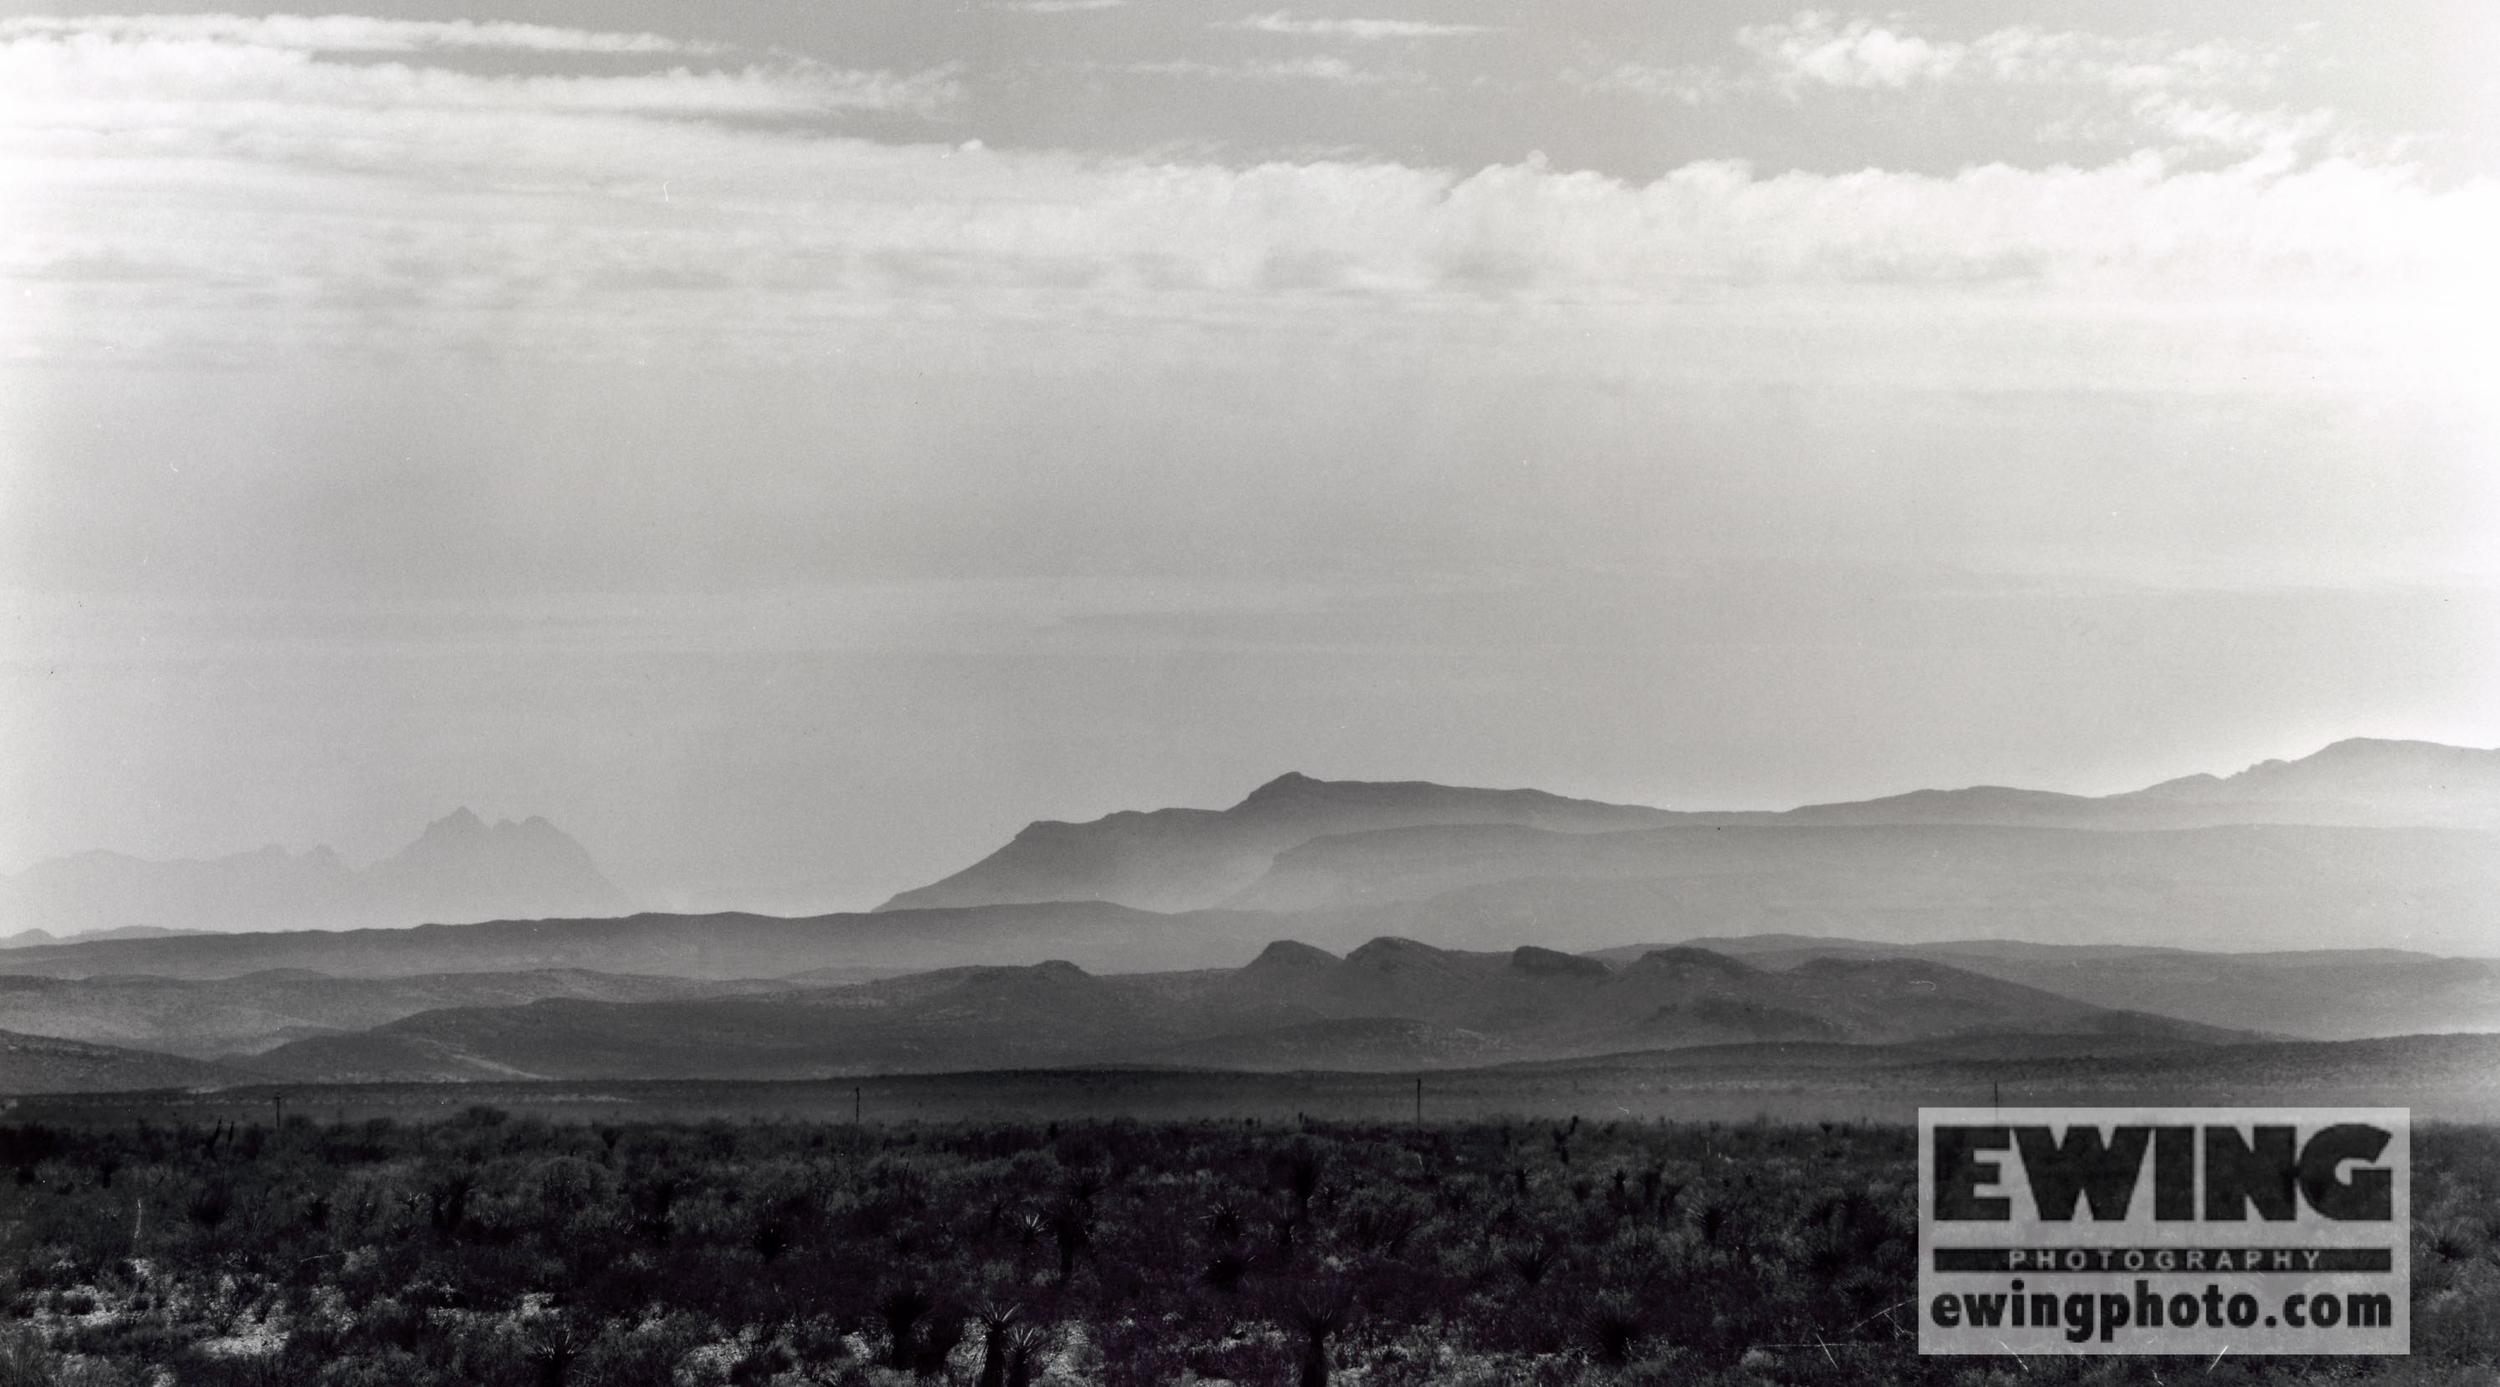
x,y
341,33
215,185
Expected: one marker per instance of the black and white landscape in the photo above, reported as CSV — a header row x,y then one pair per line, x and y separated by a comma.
x,y
1137,693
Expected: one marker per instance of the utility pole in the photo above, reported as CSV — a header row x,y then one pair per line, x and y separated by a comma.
x,y
854,1105
278,1101
1419,1100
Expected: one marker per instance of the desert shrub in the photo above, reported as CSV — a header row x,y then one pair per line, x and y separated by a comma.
x,y
490,1250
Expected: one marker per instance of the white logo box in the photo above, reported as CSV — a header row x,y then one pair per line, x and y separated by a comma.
x,y
2165,1230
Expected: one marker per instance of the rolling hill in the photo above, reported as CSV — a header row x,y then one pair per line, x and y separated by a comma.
x,y
2324,994
1391,1001
48,1064
240,1015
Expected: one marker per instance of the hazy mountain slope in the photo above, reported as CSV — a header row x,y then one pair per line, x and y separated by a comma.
x,y
720,947
255,1011
1181,859
2385,782
2273,886
459,869
47,1064
2360,782
2335,994
31,938
1389,1002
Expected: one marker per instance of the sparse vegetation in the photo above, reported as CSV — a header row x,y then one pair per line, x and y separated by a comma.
x,y
490,1250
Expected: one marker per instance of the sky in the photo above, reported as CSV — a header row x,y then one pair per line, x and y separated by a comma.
x,y
792,445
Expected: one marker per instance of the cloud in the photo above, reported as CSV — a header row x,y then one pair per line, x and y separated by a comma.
x,y
349,34
1861,53
1061,6
57,81
215,198
2185,98
2278,135
1366,30
1817,48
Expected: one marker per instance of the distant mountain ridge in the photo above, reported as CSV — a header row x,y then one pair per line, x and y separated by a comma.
x,y
208,1018
1392,1002
2396,781
2323,994
460,869
36,938
1184,859
717,947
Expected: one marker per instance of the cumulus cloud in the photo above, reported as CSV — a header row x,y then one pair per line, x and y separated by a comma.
x,y
1283,22
1861,53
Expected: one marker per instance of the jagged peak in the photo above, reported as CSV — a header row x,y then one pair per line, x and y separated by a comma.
x,y
466,824
462,821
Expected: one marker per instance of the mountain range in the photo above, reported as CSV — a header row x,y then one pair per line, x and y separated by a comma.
x,y
460,868
2351,894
